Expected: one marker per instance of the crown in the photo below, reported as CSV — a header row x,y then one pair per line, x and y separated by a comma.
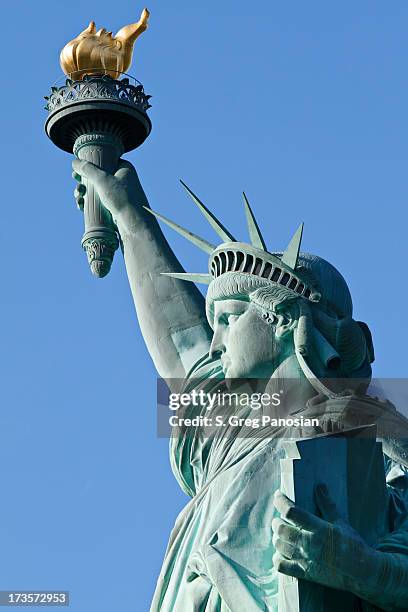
x,y
253,259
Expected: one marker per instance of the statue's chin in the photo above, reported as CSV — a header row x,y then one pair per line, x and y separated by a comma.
x,y
236,379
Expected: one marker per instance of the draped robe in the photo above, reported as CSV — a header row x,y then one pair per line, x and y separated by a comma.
x,y
219,556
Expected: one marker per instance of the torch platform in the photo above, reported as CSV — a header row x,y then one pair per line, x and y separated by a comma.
x,y
98,119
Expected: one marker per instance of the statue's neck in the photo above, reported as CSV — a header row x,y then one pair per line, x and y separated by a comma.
x,y
289,377
289,368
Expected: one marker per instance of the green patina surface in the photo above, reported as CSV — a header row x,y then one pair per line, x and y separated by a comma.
x,y
241,542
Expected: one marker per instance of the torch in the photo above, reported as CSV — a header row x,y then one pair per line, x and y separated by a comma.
x,y
99,114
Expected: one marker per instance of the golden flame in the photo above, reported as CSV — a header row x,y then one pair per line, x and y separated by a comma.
x,y
93,52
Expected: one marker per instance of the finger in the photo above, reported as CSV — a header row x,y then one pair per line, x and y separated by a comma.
x,y
290,568
76,177
285,531
124,173
127,172
325,504
287,550
125,164
293,514
90,171
79,193
79,190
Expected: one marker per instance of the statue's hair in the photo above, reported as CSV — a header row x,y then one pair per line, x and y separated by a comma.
x,y
237,285
270,298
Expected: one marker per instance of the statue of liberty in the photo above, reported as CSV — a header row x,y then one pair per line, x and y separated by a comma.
x,y
266,316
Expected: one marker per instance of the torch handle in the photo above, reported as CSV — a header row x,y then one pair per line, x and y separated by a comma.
x,y
100,239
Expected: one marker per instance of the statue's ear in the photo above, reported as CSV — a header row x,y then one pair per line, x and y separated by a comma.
x,y
286,319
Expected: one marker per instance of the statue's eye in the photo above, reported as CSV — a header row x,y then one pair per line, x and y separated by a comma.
x,y
229,317
232,317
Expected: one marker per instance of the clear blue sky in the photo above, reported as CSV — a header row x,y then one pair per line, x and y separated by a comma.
x,y
302,104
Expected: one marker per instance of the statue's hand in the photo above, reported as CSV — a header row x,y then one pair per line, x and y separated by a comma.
x,y
325,550
119,193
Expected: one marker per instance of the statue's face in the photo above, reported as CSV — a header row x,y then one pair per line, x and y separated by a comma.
x,y
245,341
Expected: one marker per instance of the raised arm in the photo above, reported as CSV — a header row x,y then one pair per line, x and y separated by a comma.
x,y
171,312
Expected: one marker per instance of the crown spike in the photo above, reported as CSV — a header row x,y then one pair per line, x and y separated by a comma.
x,y
291,254
253,228
202,244
212,219
193,277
